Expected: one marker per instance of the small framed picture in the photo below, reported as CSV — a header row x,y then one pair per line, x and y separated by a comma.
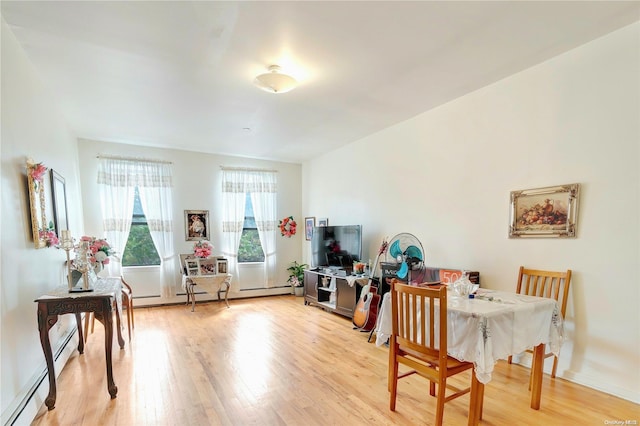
x,y
196,225
192,266
323,221
183,261
545,212
309,223
221,266
207,266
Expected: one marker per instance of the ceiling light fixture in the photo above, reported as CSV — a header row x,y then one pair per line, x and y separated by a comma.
x,y
274,81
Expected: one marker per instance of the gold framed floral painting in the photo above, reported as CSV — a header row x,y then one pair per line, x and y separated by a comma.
x,y
545,212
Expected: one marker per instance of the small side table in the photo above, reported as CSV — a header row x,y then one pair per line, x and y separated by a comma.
x,y
60,302
219,283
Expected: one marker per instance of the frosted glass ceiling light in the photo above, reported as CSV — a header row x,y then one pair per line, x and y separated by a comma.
x,y
274,81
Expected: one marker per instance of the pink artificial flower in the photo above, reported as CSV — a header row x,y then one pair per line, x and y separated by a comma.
x,y
50,238
38,172
202,249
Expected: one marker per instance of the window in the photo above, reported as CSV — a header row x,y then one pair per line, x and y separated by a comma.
x,y
140,250
250,249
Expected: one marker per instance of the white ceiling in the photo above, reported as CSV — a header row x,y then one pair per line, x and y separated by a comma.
x,y
179,74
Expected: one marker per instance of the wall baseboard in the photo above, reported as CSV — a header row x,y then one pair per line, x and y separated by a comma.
x,y
28,403
582,379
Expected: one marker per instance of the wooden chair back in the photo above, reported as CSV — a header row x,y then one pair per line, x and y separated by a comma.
x,y
551,284
415,322
419,342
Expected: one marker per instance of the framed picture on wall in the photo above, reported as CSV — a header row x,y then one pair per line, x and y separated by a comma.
x,y
196,225
309,223
545,212
323,221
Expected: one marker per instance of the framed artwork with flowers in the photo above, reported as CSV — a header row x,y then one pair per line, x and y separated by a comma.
x,y
196,225
44,233
545,212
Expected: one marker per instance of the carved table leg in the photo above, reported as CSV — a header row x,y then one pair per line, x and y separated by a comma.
x,y
107,320
193,297
226,292
45,322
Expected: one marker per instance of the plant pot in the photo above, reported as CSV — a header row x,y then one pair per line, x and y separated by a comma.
x,y
298,291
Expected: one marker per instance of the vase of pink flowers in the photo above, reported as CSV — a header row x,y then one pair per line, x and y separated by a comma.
x,y
99,251
202,249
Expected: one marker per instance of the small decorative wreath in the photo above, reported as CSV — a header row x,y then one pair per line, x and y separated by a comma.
x,y
288,227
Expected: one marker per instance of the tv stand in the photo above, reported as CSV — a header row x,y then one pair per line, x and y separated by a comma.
x,y
334,292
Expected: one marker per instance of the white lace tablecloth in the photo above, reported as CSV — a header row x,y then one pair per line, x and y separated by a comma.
x,y
209,283
103,286
491,327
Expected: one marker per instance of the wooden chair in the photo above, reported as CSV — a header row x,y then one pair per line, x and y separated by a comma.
x,y
419,341
127,303
549,284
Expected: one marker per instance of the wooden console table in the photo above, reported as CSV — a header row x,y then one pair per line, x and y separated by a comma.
x,y
100,302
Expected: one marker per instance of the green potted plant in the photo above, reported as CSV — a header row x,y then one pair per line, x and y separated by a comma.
x,y
296,277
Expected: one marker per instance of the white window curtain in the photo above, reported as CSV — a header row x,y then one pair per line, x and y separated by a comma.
x,y
157,204
116,190
262,185
117,180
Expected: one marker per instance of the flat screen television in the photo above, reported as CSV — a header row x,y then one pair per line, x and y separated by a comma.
x,y
336,245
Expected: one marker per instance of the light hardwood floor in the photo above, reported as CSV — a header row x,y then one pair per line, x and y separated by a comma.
x,y
274,361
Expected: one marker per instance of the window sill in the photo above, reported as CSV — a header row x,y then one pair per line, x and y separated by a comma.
x,y
140,267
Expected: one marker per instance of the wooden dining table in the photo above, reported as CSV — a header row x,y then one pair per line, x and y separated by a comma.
x,y
491,326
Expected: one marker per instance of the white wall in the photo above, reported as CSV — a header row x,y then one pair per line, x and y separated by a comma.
x,y
196,186
31,127
446,176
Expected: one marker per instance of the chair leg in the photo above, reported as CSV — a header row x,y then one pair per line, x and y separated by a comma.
x,y
555,366
391,360
133,323
509,359
87,317
432,388
442,388
126,304
393,384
